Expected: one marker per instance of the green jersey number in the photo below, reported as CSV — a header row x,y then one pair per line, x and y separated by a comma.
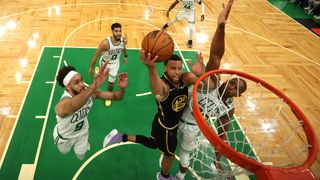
x,y
114,57
79,126
187,6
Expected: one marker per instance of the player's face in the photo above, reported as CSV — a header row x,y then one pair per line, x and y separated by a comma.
x,y
173,70
117,32
76,85
232,87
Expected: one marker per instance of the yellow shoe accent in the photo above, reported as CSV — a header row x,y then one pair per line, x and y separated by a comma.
x,y
96,70
107,103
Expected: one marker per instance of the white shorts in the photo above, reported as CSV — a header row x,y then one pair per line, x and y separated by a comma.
x,y
80,144
190,15
187,135
114,68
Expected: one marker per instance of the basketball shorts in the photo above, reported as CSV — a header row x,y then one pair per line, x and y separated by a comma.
x,y
189,15
114,68
165,137
187,135
80,144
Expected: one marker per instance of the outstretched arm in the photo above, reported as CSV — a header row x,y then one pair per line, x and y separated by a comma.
x,y
158,86
197,69
171,7
104,45
217,43
71,105
117,95
202,9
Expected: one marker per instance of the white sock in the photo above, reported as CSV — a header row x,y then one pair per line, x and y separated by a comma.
x,y
180,175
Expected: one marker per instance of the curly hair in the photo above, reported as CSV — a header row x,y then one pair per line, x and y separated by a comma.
x,y
62,74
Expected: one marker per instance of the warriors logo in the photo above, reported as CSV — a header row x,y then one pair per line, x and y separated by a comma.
x,y
179,103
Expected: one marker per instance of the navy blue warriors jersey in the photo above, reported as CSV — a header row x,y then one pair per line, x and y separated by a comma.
x,y
171,107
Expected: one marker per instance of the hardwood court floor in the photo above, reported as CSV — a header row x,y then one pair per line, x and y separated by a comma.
x,y
260,40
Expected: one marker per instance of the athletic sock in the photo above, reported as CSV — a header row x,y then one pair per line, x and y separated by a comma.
x,y
165,176
124,137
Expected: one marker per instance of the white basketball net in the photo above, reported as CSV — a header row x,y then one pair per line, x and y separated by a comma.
x,y
263,128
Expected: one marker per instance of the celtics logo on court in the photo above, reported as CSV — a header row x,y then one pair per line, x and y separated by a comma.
x,y
179,102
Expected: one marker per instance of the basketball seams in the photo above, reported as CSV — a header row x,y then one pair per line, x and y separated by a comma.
x,y
165,46
155,42
161,43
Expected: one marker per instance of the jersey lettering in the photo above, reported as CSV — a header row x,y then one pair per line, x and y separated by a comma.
x,y
82,113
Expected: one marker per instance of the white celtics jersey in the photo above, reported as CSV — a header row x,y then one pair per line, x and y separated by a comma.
x,y
188,5
76,124
210,105
114,52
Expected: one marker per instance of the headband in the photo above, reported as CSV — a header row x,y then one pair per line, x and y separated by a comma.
x,y
68,77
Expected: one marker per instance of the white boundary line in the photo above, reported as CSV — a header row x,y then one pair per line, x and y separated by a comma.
x,y
40,117
84,165
90,47
144,94
260,37
97,154
58,67
20,109
160,8
281,12
139,5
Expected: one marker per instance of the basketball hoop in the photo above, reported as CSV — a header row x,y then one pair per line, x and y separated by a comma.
x,y
289,134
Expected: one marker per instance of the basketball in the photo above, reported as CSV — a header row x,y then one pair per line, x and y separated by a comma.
x,y
158,43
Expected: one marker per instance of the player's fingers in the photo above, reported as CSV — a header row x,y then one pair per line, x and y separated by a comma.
x,y
149,57
143,55
105,73
103,67
155,58
201,56
123,75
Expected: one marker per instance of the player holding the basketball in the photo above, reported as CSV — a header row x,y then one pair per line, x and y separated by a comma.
x,y
72,128
187,11
217,103
171,93
110,48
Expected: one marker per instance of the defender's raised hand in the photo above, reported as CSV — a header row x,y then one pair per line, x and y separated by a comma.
x,y
100,77
223,16
146,59
198,67
123,80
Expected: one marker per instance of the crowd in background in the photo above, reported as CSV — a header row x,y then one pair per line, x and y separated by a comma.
x,y
311,6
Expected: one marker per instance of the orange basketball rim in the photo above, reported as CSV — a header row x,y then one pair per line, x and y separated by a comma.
x,y
261,171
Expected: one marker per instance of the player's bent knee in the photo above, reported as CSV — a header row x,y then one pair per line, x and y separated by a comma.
x,y
64,148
